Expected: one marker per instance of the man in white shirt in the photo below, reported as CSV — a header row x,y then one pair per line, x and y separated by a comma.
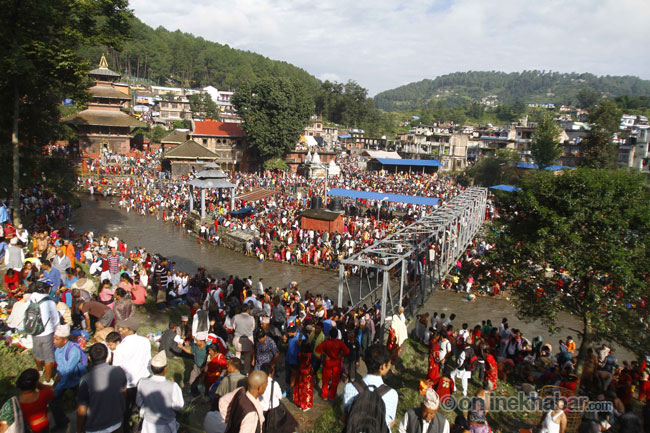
x,y
260,287
159,399
43,344
445,350
377,359
133,355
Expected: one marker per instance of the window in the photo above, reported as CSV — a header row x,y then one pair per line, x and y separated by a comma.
x,y
205,141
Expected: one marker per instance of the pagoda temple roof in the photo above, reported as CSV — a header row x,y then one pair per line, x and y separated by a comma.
x,y
108,92
190,150
103,118
103,70
175,137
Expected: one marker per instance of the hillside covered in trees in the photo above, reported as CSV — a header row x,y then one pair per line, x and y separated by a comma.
x,y
160,57
461,88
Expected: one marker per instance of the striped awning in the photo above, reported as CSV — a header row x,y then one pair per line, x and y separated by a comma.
x,y
257,194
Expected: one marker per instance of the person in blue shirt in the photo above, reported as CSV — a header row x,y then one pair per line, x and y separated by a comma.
x,y
377,359
3,249
51,273
69,369
69,365
291,358
70,278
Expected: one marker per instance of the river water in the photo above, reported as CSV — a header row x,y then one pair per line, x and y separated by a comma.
x,y
173,242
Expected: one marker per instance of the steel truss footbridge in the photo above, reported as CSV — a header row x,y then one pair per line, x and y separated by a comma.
x,y
403,268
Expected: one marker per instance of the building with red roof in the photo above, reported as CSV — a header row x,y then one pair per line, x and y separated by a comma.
x,y
227,140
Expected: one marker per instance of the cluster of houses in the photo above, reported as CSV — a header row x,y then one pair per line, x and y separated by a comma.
x,y
117,109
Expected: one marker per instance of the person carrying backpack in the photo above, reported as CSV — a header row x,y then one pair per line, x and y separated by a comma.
x,y
465,363
41,319
368,401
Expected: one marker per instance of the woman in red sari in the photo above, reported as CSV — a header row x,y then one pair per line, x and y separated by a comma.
x,y
303,391
391,344
434,358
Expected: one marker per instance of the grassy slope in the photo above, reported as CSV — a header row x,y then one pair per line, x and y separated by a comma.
x,y
412,367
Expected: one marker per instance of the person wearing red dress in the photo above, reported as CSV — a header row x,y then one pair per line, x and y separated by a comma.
x,y
34,399
391,344
334,350
434,358
217,364
303,391
445,385
644,387
491,371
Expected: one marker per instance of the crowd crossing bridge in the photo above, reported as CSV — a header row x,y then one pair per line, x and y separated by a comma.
x,y
403,268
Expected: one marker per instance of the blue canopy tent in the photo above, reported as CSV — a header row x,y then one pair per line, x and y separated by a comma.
x,y
531,165
527,165
558,167
385,196
390,164
508,188
411,162
242,211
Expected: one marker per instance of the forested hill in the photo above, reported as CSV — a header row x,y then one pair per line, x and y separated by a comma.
x,y
181,59
527,87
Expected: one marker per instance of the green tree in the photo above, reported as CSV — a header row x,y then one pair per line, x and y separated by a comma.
x,y
40,63
545,147
587,98
275,112
495,170
598,148
203,107
276,164
594,227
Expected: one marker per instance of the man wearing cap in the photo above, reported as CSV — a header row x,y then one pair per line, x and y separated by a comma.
x,y
199,351
133,354
68,357
426,418
69,368
159,398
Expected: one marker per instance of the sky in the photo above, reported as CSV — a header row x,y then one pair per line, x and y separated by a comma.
x,y
383,44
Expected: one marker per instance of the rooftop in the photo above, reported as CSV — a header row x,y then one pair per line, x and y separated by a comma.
x,y
217,129
176,136
108,92
103,70
190,150
103,118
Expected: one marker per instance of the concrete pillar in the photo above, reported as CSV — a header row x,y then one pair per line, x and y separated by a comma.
x,y
401,282
384,296
202,203
191,198
232,199
339,302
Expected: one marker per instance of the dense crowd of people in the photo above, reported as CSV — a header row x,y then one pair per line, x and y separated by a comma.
x,y
274,221
77,300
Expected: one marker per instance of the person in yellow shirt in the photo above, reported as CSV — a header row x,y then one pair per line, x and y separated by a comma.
x,y
570,345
